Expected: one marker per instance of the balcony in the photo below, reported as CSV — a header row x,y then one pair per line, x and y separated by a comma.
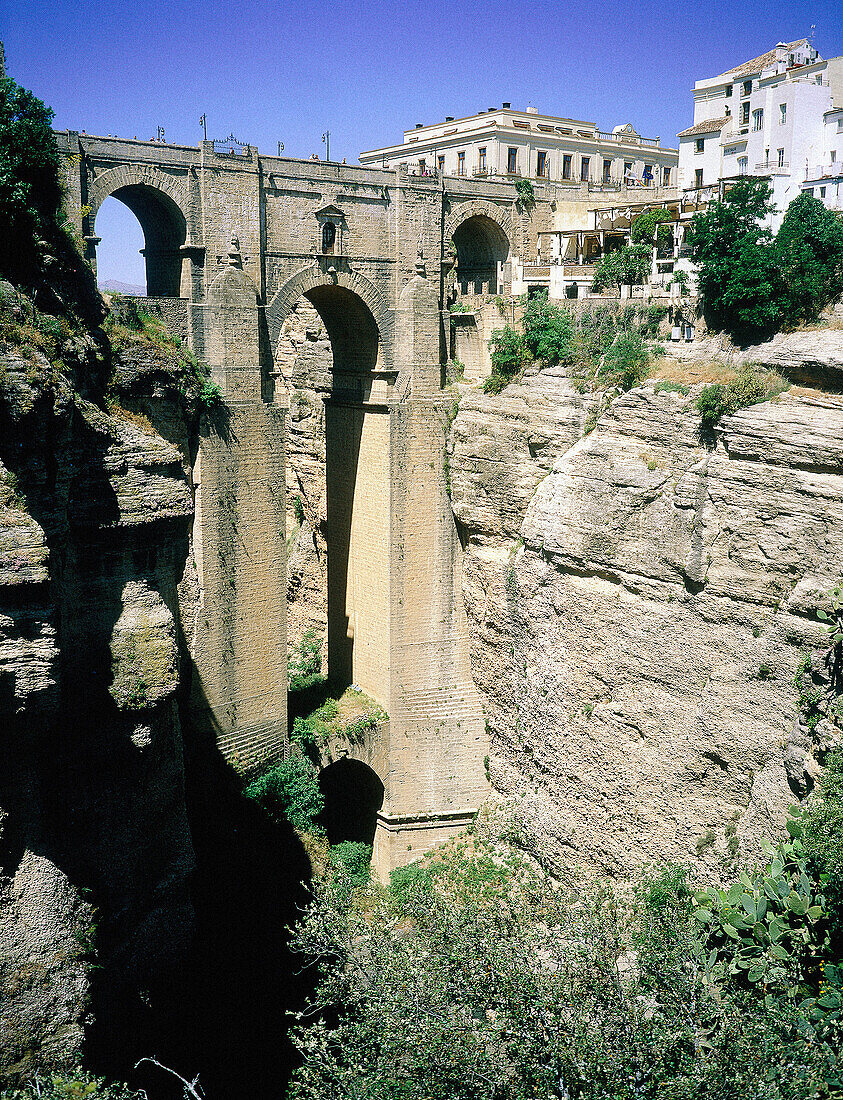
x,y
773,166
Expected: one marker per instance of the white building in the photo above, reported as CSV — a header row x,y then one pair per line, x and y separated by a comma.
x,y
504,142
776,116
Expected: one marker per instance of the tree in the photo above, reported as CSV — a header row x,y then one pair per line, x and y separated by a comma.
x,y
30,181
36,252
738,279
646,225
509,355
809,250
623,267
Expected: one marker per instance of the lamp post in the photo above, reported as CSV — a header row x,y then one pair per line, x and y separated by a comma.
x,y
204,126
280,148
160,133
326,137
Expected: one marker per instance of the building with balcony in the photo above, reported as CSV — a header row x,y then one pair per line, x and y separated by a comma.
x,y
777,116
506,142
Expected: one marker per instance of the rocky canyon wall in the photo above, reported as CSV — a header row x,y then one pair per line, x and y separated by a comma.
x,y
640,598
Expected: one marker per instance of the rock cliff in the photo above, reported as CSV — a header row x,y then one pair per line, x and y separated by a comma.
x,y
639,599
95,850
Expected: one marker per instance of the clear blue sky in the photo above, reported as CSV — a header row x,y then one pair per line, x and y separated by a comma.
x,y
270,70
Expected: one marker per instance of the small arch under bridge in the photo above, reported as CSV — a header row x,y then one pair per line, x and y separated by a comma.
x,y
232,241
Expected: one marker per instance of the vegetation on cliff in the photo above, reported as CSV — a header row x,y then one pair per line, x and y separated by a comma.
x,y
602,347
752,284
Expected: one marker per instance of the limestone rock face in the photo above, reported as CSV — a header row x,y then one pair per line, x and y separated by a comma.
x,y
303,359
95,850
636,655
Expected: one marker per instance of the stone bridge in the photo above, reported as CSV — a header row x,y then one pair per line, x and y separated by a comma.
x,y
232,240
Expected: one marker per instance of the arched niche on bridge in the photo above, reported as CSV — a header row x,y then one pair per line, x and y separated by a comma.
x,y
348,402
353,796
481,234
159,202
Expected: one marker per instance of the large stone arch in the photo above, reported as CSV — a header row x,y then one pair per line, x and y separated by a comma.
x,y
160,202
482,235
474,208
311,277
138,175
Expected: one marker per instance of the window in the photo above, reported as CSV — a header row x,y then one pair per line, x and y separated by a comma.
x,y
584,164
699,145
481,158
729,91
422,166
648,173
566,166
665,177
744,114
742,165
781,158
833,155
728,112
541,163
329,238
822,192
627,169
512,161
758,119
730,151
747,87
442,163
607,171
782,114
461,163
698,177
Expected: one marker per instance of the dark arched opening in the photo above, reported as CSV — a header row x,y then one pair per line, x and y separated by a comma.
x,y
353,795
481,245
164,233
357,513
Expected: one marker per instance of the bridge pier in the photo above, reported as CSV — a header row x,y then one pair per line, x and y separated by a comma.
x,y
239,688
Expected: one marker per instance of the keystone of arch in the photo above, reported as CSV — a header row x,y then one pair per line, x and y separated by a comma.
x,y
134,175
480,208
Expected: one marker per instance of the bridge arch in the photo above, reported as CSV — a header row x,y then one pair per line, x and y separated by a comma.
x,y
349,305
160,203
482,233
353,794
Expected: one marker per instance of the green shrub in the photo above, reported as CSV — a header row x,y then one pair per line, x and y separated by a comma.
x,y
352,860
304,661
750,386
823,840
626,361
671,387
509,355
548,330
290,792
623,267
75,1084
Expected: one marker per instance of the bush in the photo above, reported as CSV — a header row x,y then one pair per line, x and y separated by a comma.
x,y
352,861
476,977
290,792
823,840
749,386
509,355
548,331
304,661
75,1084
626,361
